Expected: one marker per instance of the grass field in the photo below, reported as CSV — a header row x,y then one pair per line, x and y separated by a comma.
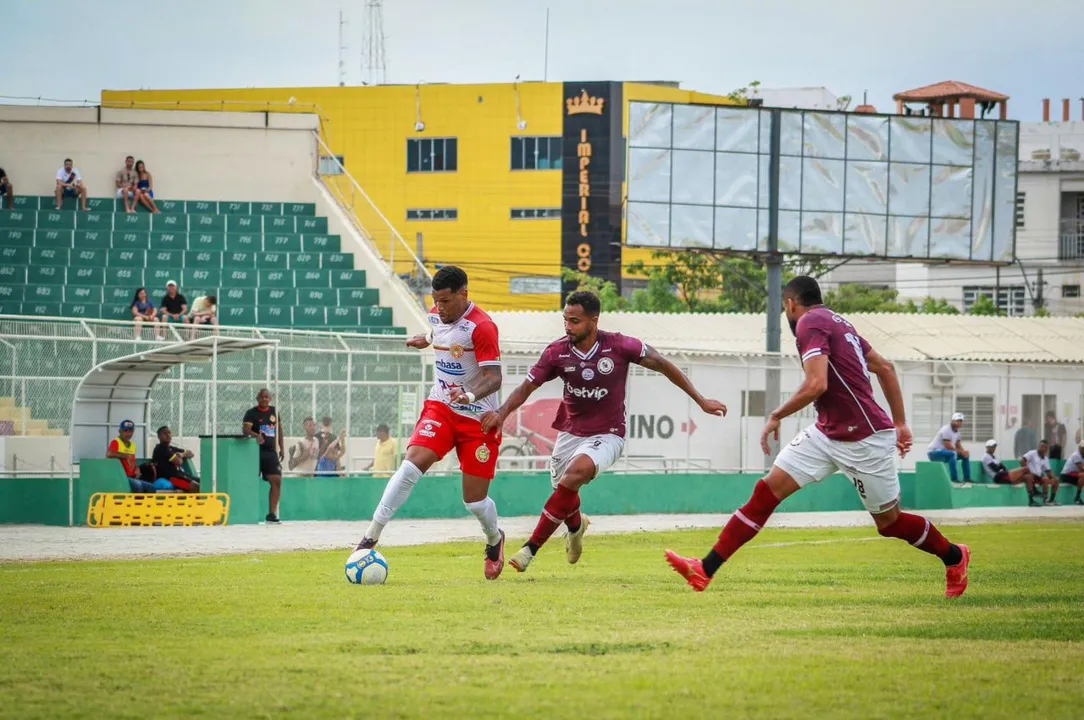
x,y
836,623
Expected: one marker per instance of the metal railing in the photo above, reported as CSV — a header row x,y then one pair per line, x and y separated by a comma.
x,y
1071,240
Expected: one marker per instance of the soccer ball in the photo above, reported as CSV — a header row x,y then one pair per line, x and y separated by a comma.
x,y
366,567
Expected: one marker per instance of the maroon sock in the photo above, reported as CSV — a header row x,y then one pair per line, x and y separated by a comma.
x,y
747,522
573,521
563,503
922,534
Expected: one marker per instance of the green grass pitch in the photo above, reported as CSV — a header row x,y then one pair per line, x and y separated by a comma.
x,y
801,623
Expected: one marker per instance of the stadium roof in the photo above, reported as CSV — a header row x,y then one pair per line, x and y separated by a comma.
x,y
896,336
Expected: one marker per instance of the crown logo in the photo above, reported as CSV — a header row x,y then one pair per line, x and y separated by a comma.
x,y
584,104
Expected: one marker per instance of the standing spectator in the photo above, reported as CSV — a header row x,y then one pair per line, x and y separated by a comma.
x,y
174,306
326,434
1055,435
126,181
1074,468
1038,464
304,454
145,185
261,422
996,470
385,454
948,448
6,190
169,462
204,312
329,459
1025,438
122,448
69,183
143,311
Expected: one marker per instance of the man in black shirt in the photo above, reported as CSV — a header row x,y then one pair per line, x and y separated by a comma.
x,y
6,190
262,423
169,462
174,306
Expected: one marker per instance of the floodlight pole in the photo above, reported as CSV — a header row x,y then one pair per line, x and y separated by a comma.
x,y
774,262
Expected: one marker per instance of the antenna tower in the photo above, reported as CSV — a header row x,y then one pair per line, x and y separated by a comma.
x,y
342,50
374,68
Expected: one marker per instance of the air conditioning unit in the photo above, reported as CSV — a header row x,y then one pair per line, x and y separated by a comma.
x,y
943,376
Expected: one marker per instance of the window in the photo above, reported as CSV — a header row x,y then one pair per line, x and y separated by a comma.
x,y
432,155
979,409
535,213
1011,299
534,286
1070,291
752,403
331,165
433,214
1020,199
536,153
930,413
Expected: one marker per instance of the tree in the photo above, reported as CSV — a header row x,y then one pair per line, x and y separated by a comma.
x,y
607,292
856,298
984,306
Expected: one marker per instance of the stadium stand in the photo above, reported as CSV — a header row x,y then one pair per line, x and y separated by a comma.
x,y
271,264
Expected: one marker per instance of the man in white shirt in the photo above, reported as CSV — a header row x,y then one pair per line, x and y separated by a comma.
x,y
69,183
947,447
995,470
306,452
1070,474
1038,464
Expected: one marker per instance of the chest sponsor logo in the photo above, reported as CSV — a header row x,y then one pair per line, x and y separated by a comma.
x,y
605,365
588,374
570,368
595,393
447,365
456,351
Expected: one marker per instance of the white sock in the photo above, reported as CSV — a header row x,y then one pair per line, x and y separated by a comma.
x,y
486,512
396,493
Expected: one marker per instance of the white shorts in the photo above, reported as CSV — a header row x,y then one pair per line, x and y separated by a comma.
x,y
870,464
121,191
604,451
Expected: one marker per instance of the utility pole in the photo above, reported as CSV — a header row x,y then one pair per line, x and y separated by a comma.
x,y
774,262
1039,291
342,51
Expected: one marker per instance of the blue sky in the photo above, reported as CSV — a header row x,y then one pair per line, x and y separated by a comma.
x,y
1021,49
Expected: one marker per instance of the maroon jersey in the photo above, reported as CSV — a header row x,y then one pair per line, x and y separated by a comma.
x,y
594,399
847,410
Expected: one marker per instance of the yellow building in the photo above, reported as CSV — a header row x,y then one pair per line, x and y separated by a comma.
x,y
508,181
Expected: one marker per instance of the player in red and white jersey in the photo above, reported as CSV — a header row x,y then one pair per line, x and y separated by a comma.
x,y
467,377
853,435
594,367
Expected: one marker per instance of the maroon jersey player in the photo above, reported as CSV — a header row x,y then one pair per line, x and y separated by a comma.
x,y
852,435
593,365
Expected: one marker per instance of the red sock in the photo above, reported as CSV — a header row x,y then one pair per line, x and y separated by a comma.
x,y
920,532
563,503
747,522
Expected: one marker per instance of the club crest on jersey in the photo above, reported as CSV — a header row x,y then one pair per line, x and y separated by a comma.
x,y
482,454
588,374
605,366
456,351
272,418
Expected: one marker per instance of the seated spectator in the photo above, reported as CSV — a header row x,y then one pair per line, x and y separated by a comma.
x,y
169,462
69,183
1038,464
948,448
126,181
6,190
329,464
996,470
173,307
306,452
122,448
143,311
385,453
1074,468
204,312
145,186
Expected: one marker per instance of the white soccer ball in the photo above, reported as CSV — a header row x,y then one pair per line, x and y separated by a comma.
x,y
366,567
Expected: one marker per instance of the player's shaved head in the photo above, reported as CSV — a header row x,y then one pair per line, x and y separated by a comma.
x,y
804,290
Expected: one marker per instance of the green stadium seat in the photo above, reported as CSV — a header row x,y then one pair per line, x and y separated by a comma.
x,y
311,225
56,220
65,239
128,278
114,295
11,293
201,207
234,208
56,257
239,259
337,261
274,316
266,208
304,261
83,294
243,224
14,255
272,261
134,222
206,223
36,308
312,278
244,242
240,277
84,257
12,274
279,297
278,225
238,315
376,317
209,259
197,277
309,372
81,310
167,259
155,278
24,203
117,311
95,205
358,297
282,243
18,219
394,330
310,316
126,258
10,307
171,223
168,241
131,240
94,220
16,237
340,317
86,275
276,279
44,294
214,242
348,278
316,296
170,207
321,243
46,275
238,296
307,209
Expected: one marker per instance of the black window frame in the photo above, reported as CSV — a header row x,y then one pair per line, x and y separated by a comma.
x,y
541,213
432,214
432,155
527,152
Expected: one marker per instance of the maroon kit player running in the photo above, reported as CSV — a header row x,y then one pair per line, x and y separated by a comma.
x,y
594,366
852,435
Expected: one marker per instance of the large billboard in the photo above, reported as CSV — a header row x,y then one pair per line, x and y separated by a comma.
x,y
850,184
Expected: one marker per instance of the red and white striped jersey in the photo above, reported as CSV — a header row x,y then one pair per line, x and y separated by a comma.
x,y
462,349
